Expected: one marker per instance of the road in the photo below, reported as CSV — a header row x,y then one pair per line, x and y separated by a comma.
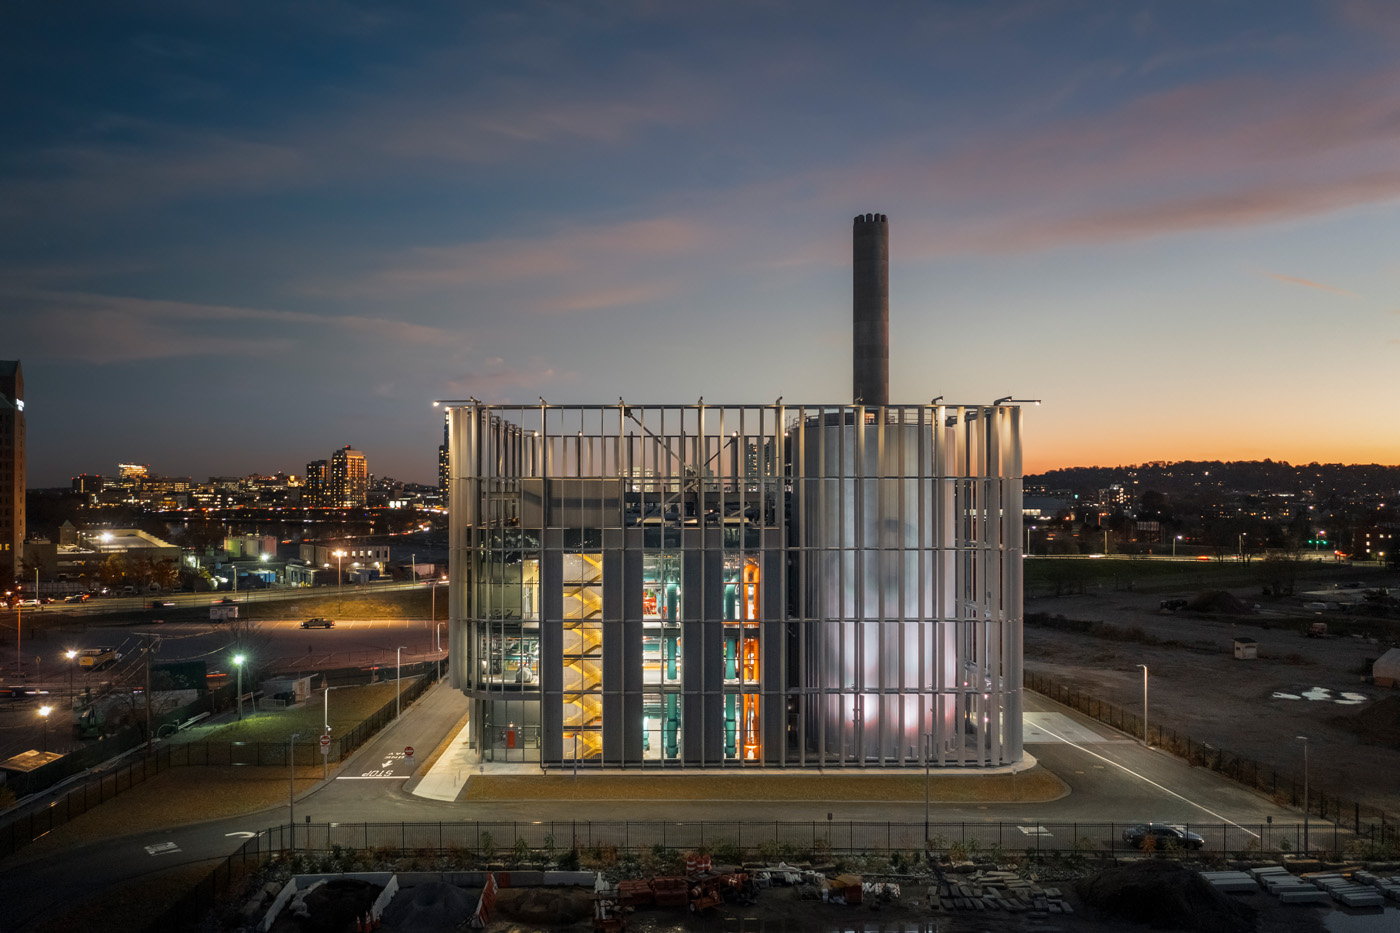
x,y
1111,777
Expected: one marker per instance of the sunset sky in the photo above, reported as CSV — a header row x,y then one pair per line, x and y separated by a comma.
x,y
238,235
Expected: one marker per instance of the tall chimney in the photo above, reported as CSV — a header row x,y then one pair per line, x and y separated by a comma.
x,y
870,280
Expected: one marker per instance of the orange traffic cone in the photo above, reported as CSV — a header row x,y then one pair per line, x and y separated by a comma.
x,y
376,921
359,923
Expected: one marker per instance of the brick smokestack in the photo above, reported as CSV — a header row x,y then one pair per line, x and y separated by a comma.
x,y
870,280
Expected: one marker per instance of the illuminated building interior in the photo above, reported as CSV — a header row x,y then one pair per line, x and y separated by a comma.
x,y
768,586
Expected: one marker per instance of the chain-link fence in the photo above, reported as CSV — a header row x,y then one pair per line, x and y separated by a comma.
x,y
754,839
333,846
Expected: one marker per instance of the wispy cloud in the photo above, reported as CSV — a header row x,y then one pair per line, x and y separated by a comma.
x,y
99,328
494,379
1308,283
575,269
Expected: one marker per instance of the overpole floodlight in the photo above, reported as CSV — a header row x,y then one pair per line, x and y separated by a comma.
x,y
238,663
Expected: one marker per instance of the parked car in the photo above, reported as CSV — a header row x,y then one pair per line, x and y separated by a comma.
x,y
77,598
318,623
1162,835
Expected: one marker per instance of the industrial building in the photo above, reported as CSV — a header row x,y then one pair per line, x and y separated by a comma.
x,y
780,585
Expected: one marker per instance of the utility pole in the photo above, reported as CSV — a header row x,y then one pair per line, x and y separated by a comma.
x,y
146,657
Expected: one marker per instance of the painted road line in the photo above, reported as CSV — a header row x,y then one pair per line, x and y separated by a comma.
x,y
374,777
162,848
1153,783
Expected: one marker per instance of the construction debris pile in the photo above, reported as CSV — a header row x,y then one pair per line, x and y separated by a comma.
x,y
1347,888
998,890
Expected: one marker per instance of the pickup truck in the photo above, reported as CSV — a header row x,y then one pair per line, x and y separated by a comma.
x,y
95,658
318,623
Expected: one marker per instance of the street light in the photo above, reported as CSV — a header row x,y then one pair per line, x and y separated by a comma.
x,y
1304,740
339,577
326,713
1242,535
1174,540
70,654
238,663
398,672
1144,706
44,715
435,585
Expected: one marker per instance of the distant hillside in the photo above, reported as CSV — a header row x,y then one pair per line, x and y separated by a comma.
x,y
1197,476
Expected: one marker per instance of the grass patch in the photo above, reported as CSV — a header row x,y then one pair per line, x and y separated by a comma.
x,y
349,706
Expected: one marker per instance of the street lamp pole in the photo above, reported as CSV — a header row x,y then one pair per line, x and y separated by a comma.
x,y
1174,540
44,715
238,663
1144,706
70,654
1304,740
326,714
339,579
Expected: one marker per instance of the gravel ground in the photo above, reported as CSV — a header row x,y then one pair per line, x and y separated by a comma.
x,y
1198,688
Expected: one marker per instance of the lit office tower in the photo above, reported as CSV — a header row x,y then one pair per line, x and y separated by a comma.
x,y
316,494
12,461
443,471
348,479
765,586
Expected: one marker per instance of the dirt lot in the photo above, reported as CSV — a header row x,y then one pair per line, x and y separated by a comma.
x,y
1248,707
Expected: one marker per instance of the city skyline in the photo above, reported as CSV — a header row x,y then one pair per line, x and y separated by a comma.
x,y
237,238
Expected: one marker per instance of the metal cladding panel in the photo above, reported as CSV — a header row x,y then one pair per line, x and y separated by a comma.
x,y
614,665
630,630
774,734
692,656
551,657
712,674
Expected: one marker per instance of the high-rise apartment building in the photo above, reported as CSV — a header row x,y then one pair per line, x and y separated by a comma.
x,y
444,472
348,479
12,462
316,492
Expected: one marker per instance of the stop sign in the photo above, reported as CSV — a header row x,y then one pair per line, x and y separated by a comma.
x,y
408,752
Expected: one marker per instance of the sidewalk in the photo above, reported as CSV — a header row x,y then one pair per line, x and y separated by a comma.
x,y
459,774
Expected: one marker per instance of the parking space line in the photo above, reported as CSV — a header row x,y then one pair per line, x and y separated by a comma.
x,y
1150,781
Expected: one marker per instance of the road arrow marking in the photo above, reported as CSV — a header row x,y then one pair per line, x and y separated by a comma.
x,y
162,848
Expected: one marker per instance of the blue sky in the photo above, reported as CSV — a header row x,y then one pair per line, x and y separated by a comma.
x,y
237,236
